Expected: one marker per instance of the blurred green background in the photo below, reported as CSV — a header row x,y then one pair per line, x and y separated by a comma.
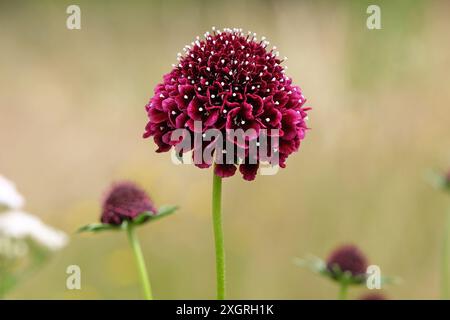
x,y
72,116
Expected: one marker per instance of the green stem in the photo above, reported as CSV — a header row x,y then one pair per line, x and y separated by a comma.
x,y
218,236
343,290
446,259
140,262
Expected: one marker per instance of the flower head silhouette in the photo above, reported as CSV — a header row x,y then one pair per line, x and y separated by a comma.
x,y
347,258
373,296
229,80
125,201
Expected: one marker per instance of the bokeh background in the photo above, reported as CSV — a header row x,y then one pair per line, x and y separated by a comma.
x,y
72,116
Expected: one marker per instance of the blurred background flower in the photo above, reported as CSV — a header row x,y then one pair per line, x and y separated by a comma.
x,y
125,201
347,266
127,206
22,225
25,241
10,198
347,259
373,296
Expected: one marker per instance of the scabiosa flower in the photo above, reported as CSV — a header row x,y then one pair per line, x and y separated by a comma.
x,y
373,296
236,89
125,201
229,80
346,266
125,207
347,259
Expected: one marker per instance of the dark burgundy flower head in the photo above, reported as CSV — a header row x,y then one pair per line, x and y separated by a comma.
x,y
347,259
229,80
373,296
125,201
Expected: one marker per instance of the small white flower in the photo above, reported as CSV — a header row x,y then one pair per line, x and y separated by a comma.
x,y
12,248
9,196
19,225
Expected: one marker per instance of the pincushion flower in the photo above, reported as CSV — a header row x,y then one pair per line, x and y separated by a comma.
x,y
125,201
346,265
229,81
230,90
347,259
373,296
125,207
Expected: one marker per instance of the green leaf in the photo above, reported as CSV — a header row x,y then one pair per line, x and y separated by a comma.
x,y
150,216
311,262
142,218
391,280
97,227
164,211
139,220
